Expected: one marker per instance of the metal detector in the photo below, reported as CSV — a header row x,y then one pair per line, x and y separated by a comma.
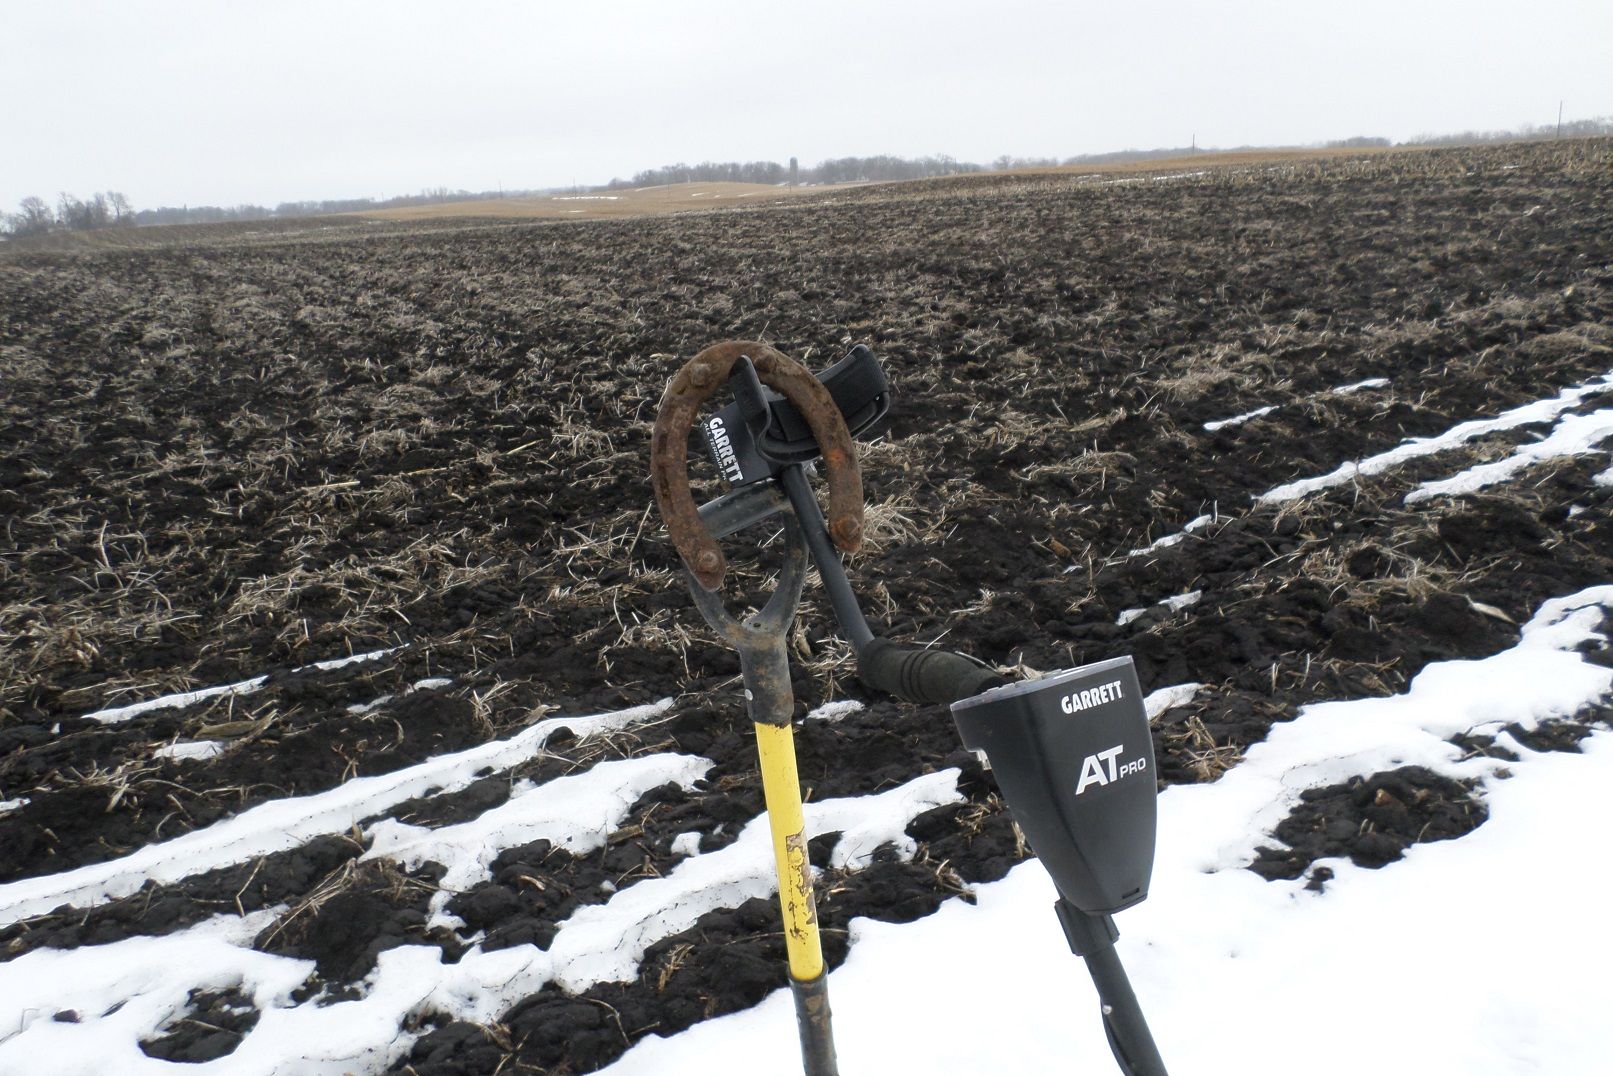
x,y
1071,752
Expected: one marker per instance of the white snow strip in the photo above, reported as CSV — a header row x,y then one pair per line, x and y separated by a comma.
x,y
1357,386
351,659
242,687
1169,698
1171,539
1539,678
1178,602
577,812
1528,414
1129,180
126,991
834,711
1574,435
429,684
1342,390
1605,478
1208,926
1297,962
1175,604
590,197
281,824
7,806
686,844
604,943
199,749
183,698
1239,420
130,988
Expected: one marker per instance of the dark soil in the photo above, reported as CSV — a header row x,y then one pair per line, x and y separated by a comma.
x,y
212,1027
1371,820
230,459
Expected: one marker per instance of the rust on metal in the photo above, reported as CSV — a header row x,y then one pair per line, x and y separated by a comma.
x,y
669,463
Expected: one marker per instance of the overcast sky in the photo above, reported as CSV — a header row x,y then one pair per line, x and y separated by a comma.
x,y
190,102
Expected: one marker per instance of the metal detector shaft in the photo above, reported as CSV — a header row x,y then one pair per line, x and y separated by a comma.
x,y
1092,938
813,526
1129,1038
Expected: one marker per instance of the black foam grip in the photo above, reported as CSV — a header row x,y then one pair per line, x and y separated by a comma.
x,y
918,675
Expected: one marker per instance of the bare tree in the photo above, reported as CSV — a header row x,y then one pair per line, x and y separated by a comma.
x,y
34,219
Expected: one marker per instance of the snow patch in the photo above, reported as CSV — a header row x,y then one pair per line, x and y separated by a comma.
x,y
1169,698
1171,539
429,684
281,824
127,990
604,942
1574,435
577,812
1175,604
1214,930
198,749
1239,420
1342,390
686,844
1369,383
1539,411
834,711
241,687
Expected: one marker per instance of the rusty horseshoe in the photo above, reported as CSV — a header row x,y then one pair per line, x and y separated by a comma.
x,y
669,463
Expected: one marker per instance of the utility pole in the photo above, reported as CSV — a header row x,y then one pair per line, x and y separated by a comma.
x,y
1559,118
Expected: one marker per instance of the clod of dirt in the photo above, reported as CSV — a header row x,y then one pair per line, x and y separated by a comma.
x,y
355,913
211,1027
1371,820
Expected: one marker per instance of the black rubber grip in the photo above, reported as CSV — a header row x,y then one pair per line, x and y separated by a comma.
x,y
918,675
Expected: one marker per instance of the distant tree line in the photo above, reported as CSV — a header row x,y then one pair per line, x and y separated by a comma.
x,y
1590,128
886,168
110,209
107,209
839,170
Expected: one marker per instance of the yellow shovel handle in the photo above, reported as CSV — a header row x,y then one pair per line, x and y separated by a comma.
x,y
781,785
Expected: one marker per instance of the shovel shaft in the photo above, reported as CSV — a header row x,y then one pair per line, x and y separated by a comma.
x,y
781,785
809,981
812,1021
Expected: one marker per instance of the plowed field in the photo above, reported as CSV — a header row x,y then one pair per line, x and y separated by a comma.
x,y
226,467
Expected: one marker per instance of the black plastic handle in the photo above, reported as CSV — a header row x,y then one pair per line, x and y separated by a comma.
x,y
917,675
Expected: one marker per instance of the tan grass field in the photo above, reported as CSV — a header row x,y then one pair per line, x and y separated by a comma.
x,y
623,202
681,197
